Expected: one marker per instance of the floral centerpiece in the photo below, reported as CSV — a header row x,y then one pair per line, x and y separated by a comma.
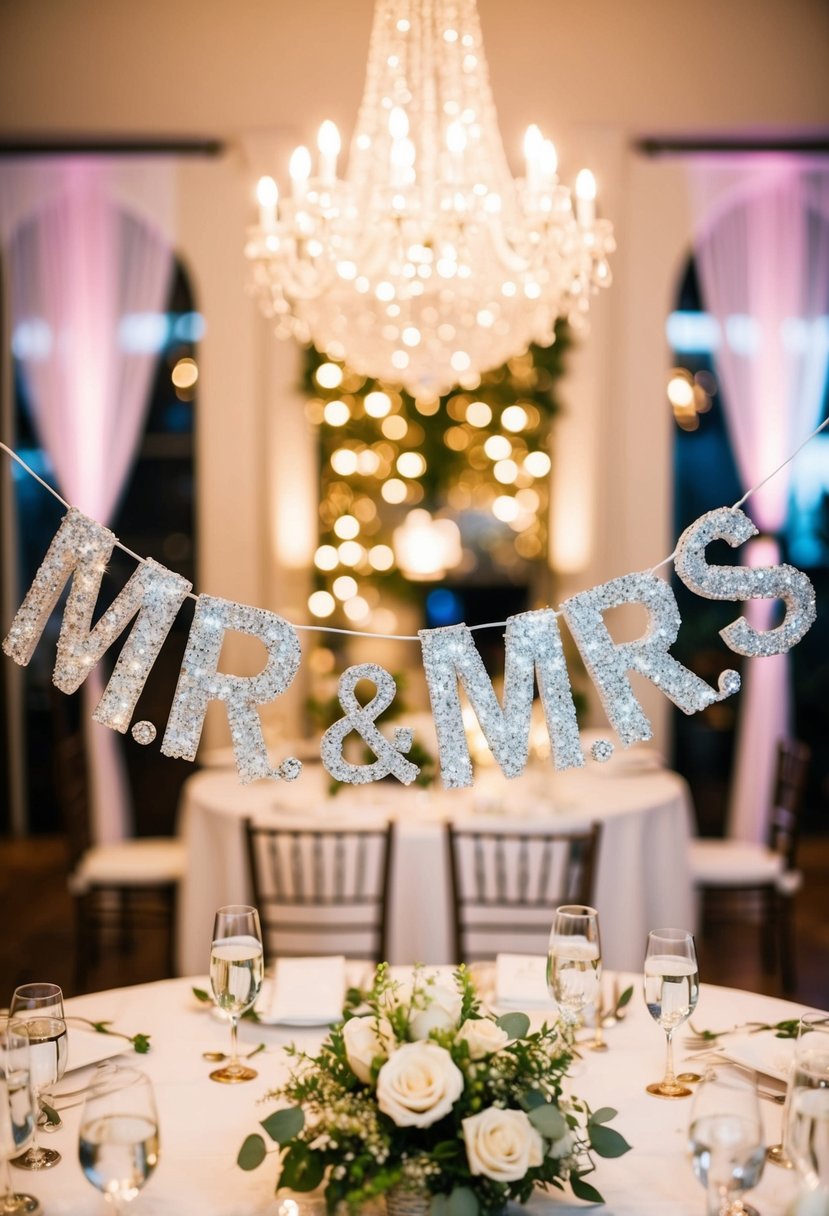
x,y
417,1093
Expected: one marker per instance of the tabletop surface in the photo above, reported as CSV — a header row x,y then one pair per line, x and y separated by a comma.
x,y
202,1124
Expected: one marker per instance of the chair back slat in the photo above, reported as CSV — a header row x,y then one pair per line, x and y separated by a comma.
x,y
317,888
506,884
793,758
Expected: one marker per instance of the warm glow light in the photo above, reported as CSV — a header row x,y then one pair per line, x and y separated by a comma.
x,y
411,464
326,558
537,464
478,413
426,548
394,427
514,418
336,413
346,527
329,375
505,508
377,404
299,166
321,603
344,587
344,461
357,610
505,471
585,185
498,447
394,490
398,123
680,392
351,554
185,373
267,192
328,139
381,557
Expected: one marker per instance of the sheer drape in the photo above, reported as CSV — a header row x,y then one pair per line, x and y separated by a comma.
x,y
762,250
77,266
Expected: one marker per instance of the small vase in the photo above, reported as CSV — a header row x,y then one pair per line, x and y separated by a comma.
x,y
400,1202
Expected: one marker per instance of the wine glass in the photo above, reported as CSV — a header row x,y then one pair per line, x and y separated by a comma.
x,y
671,993
17,1115
118,1141
574,960
806,1135
778,1154
725,1139
236,971
38,1010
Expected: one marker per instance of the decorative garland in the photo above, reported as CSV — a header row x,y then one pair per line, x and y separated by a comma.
x,y
534,655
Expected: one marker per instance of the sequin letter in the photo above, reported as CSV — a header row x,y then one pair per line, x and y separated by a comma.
x,y
360,718
200,682
745,583
532,647
608,662
81,549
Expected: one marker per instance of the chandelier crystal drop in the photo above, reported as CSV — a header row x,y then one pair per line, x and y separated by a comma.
x,y
427,264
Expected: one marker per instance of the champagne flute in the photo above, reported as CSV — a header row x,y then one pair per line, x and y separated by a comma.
x,y
236,971
671,994
726,1139
806,1135
778,1154
17,1116
39,1009
574,960
118,1142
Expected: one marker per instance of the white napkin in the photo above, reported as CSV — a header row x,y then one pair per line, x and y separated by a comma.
x,y
308,991
521,980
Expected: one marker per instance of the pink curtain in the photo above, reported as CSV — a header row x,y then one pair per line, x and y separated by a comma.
x,y
762,250
78,265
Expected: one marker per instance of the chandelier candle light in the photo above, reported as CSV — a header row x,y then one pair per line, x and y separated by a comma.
x,y
427,263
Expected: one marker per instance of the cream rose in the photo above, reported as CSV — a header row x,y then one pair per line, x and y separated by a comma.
x,y
501,1144
484,1037
418,1085
433,1007
365,1039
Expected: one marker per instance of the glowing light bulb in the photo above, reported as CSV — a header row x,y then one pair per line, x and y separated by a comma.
x,y
548,162
585,197
299,168
329,144
398,123
267,196
533,148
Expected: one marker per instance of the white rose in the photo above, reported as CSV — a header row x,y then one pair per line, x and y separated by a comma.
x,y
563,1146
484,1037
418,1085
501,1144
434,1007
365,1039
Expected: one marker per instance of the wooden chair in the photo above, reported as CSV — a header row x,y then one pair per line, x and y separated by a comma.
x,y
736,874
321,890
506,885
119,889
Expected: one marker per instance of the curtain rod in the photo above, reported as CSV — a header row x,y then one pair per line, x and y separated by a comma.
x,y
816,145
110,146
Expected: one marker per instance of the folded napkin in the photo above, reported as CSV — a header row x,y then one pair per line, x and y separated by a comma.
x,y
521,980
308,991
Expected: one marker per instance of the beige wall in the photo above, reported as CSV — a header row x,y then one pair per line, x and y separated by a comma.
x,y
262,75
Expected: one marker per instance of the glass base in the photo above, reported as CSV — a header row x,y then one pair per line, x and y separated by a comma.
x,y
20,1204
776,1154
600,1046
231,1076
661,1090
42,1159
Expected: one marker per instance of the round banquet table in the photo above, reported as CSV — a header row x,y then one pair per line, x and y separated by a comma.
x,y
642,882
202,1124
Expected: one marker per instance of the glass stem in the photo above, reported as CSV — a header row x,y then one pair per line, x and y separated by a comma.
x,y
669,1078
6,1186
233,1064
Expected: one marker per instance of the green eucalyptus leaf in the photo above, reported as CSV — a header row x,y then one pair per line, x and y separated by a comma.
x,y
624,998
439,1206
607,1142
583,1190
463,1202
515,1024
603,1115
201,995
548,1120
302,1168
283,1125
252,1153
533,1098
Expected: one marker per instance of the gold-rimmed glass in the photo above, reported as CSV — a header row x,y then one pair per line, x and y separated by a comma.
x,y
236,971
17,1116
37,1011
671,994
574,961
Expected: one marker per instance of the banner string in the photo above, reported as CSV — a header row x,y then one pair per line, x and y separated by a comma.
x,y
413,637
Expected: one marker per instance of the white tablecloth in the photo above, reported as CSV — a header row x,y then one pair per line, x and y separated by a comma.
x,y
643,880
202,1124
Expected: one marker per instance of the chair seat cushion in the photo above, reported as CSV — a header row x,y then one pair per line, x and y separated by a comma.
x,y
734,863
146,862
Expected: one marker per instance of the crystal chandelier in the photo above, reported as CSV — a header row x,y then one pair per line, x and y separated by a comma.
x,y
427,263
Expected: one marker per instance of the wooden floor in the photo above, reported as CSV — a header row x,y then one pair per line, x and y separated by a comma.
x,y
39,940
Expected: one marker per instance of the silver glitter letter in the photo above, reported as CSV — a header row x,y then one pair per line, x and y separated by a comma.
x,y
200,682
745,583
532,646
360,718
81,549
608,662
